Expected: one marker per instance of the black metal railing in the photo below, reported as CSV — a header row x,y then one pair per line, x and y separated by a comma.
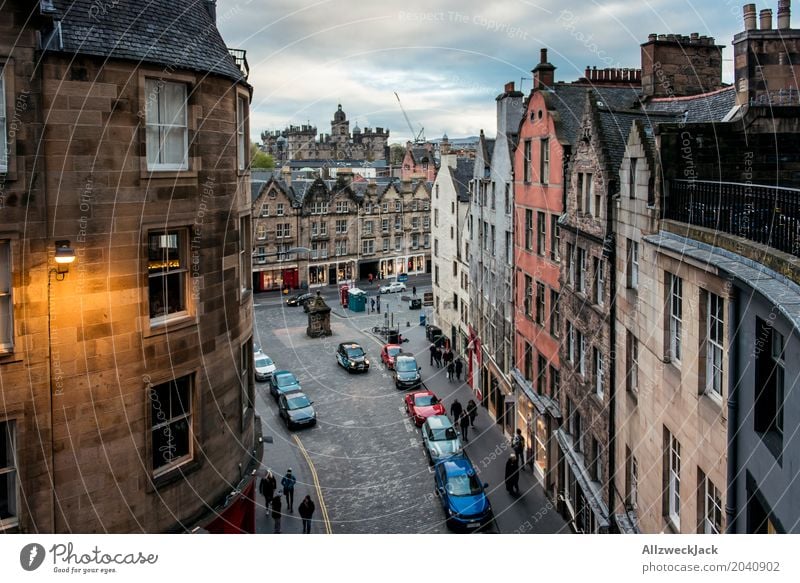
x,y
240,56
769,215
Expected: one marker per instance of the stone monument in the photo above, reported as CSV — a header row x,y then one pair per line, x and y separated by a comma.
x,y
319,318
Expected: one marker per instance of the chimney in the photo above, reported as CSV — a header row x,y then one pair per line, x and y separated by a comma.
x,y
211,8
784,14
509,88
544,73
765,18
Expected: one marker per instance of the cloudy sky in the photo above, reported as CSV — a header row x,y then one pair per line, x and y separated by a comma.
x,y
447,59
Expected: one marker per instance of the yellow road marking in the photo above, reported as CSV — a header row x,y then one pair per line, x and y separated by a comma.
x,y
322,506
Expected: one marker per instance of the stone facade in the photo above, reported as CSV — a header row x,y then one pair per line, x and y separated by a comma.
x,y
96,353
674,65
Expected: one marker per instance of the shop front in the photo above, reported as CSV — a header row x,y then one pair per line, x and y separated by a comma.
x,y
238,513
411,265
276,279
581,499
331,273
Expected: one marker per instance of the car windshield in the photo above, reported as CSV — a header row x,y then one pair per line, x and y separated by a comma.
x,y
394,351
464,485
297,402
285,380
425,400
355,352
405,365
263,361
444,434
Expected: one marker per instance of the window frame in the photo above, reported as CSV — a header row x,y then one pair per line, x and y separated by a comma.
x,y
712,506
187,313
544,161
541,233
242,132
7,327
527,155
633,265
555,238
148,92
675,318
632,362
529,230
599,374
11,430
599,282
245,255
5,146
580,269
555,313
673,479
170,468
715,345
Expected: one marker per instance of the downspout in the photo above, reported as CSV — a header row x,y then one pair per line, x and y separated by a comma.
x,y
733,418
612,377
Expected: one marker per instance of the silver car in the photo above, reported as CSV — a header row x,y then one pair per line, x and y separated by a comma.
x,y
440,438
263,365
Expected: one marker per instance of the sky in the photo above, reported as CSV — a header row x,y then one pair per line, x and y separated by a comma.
x,y
447,60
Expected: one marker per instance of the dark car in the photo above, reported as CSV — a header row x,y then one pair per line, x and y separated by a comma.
x,y
462,494
352,357
434,334
283,382
406,372
295,408
299,299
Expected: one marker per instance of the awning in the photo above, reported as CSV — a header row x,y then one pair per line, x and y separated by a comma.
x,y
543,403
590,490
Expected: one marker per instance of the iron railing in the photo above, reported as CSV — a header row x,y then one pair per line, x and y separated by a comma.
x,y
240,56
769,215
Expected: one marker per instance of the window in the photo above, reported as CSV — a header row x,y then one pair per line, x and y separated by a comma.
x,y
711,508
385,207
570,342
577,428
631,479
509,248
715,319
632,359
770,374
341,247
555,383
427,240
398,242
279,211
528,362
527,161
319,250
415,223
541,374
540,303
672,488
385,225
8,471
675,316
368,246
367,208
436,247
632,178
261,231
580,268
426,205
586,197
571,264
283,251
580,341
341,226
528,295
245,365
386,243
436,275
167,271
261,255
599,373
283,230
528,229
415,240
599,281
508,198
541,232
493,240
414,205
426,223
171,423
241,131
579,193
596,461
342,206
494,197
6,302
317,208
166,126
555,238
555,314
633,264
398,206
368,227
265,210
3,128
544,161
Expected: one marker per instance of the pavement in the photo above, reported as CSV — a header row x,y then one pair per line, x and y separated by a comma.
x,y
364,458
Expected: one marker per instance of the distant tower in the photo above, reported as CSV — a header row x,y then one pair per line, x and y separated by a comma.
x,y
340,127
444,146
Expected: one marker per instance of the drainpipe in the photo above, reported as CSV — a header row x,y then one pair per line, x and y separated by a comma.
x,y
733,418
612,377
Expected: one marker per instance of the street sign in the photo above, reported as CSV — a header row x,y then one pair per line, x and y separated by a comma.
x,y
402,277
427,299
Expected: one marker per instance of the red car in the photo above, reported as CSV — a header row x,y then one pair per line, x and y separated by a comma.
x,y
423,404
388,352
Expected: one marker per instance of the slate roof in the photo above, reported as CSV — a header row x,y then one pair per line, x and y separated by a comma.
x,y
174,33
419,153
616,127
712,106
461,176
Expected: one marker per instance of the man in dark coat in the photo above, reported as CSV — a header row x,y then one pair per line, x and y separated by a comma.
x,y
276,511
518,445
459,368
433,353
455,410
451,371
472,411
306,510
288,483
464,423
512,475
267,489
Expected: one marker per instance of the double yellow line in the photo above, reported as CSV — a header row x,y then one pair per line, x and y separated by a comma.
x,y
322,507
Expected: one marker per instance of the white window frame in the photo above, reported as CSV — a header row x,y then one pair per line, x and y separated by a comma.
x,y
599,374
279,209
156,424
10,473
182,269
570,342
265,209
368,227
3,122
712,507
675,317
600,283
580,268
6,298
368,247
261,231
386,244
241,133
674,481
581,352
245,253
633,362
154,123
715,331
633,264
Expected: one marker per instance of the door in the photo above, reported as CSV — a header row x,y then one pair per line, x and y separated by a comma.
x,y
332,275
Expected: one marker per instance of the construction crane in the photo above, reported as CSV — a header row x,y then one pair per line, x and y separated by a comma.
x,y
418,138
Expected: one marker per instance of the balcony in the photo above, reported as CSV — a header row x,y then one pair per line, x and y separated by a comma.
x,y
769,215
240,56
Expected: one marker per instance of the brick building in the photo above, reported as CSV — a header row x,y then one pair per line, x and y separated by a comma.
x,y
132,151
419,162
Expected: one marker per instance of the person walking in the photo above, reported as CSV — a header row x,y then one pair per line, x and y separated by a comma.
x,y
438,357
288,483
433,353
306,510
512,475
276,511
414,290
518,445
378,303
464,423
369,277
455,410
451,371
267,489
372,303
459,368
472,411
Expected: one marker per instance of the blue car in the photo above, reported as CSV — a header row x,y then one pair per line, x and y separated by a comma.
x,y
462,494
283,382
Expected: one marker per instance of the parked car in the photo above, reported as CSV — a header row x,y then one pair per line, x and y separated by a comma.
x,y
406,372
434,335
264,366
393,287
462,494
299,299
283,382
352,357
295,408
388,354
423,404
440,439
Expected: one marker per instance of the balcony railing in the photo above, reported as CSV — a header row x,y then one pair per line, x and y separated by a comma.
x,y
240,56
769,215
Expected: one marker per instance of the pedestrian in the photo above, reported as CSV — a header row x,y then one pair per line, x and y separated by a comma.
x,y
369,277
378,303
472,411
267,489
464,423
276,511
414,290
447,356
459,368
512,474
455,410
372,303
518,445
438,357
451,371
306,510
288,483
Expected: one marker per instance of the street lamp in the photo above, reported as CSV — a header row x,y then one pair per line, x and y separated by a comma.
x,y
64,256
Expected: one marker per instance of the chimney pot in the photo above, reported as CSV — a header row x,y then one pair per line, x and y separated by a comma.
x,y
784,14
765,18
543,56
651,37
509,87
749,12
